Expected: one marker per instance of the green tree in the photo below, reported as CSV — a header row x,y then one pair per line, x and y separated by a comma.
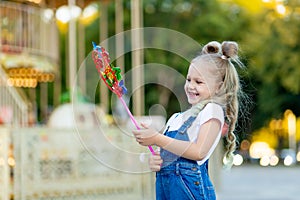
x,y
202,20
272,46
269,44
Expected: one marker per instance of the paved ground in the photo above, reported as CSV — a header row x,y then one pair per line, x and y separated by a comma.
x,y
260,183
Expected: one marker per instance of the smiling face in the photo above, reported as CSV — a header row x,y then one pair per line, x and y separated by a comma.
x,y
202,81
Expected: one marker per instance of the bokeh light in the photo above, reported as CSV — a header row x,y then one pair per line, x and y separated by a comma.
x,y
238,160
66,13
264,161
260,149
298,156
274,160
288,160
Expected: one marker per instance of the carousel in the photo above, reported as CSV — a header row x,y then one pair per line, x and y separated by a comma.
x,y
30,65
60,158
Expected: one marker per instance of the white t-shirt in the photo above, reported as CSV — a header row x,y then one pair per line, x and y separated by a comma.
x,y
210,111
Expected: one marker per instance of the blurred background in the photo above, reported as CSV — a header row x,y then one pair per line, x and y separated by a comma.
x,y
45,46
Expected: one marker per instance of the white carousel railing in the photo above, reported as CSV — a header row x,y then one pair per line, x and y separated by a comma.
x,y
13,107
28,29
28,39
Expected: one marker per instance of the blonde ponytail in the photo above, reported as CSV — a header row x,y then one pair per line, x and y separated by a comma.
x,y
222,56
233,90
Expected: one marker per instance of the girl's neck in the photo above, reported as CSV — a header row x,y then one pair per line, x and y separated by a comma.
x,y
199,106
195,109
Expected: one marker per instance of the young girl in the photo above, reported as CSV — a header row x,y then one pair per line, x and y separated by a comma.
x,y
212,88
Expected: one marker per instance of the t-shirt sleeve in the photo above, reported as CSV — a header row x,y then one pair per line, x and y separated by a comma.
x,y
212,111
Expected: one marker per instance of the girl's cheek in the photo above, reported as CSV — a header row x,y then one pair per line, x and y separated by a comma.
x,y
185,86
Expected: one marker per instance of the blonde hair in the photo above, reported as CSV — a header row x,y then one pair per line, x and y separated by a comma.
x,y
221,57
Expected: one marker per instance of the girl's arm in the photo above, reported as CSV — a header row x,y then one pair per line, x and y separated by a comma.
x,y
207,135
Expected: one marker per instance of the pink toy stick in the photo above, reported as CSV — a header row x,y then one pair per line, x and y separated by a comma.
x,y
112,79
130,114
133,120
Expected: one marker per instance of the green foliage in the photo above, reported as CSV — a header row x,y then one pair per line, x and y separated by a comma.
x,y
276,52
272,46
269,46
202,20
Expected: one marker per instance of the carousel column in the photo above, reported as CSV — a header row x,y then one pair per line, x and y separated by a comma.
x,y
72,53
55,43
33,108
43,85
81,56
137,57
44,101
120,37
103,36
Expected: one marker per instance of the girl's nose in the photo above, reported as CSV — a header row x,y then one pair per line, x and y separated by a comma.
x,y
191,85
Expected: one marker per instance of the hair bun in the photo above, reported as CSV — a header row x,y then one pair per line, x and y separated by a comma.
x,y
230,49
212,47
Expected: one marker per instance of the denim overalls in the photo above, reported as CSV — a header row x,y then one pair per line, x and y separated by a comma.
x,y
181,178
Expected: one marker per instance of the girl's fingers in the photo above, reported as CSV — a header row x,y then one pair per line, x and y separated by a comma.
x,y
155,168
136,132
144,125
155,160
158,162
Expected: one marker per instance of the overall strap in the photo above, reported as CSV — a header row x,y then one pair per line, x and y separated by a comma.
x,y
186,124
196,110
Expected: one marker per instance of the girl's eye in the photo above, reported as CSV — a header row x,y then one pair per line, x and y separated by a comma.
x,y
188,80
199,82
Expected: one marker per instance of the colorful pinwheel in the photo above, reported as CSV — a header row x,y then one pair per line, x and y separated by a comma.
x,y
112,78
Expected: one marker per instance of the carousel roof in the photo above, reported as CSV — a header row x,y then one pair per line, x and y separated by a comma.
x,y
58,3
55,3
42,64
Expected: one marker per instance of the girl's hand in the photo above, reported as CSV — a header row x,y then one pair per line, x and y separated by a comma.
x,y
155,162
146,136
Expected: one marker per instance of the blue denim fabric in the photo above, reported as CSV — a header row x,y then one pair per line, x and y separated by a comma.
x,y
181,178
